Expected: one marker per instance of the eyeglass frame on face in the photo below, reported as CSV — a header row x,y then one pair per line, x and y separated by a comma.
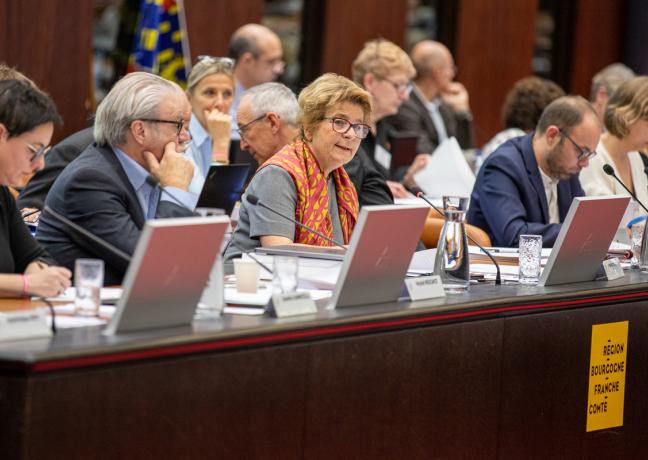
x,y
37,152
242,129
179,123
584,153
349,125
400,88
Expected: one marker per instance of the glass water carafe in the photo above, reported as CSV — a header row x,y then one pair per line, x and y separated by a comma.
x,y
452,261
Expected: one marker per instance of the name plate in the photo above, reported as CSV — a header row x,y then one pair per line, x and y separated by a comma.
x,y
292,304
29,324
425,287
613,269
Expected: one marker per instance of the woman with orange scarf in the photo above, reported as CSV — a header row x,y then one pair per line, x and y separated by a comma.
x,y
306,178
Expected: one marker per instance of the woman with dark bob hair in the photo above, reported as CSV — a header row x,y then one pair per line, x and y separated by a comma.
x,y
27,119
306,178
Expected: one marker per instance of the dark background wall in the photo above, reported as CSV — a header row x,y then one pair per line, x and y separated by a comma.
x,y
493,42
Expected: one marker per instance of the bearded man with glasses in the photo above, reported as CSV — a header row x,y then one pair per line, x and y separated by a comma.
x,y
141,129
527,185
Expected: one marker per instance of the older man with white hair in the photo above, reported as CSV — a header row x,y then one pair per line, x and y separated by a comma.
x,y
140,130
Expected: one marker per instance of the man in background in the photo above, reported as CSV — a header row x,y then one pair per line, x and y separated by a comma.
x,y
605,82
258,56
438,107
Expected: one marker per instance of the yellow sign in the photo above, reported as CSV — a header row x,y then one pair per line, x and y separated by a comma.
x,y
607,372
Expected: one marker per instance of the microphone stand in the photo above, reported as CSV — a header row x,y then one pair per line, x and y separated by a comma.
x,y
253,200
643,257
498,276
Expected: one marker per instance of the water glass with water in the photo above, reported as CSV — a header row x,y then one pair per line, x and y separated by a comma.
x,y
88,280
285,274
530,251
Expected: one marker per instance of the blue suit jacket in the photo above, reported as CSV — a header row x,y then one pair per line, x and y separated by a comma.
x,y
509,200
94,192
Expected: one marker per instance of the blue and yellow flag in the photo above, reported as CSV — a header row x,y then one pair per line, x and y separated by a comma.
x,y
161,45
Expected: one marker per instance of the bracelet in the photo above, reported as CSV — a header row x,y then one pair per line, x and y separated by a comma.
x,y
25,287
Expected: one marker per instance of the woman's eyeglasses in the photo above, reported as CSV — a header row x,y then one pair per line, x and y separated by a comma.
x,y
37,152
342,126
223,62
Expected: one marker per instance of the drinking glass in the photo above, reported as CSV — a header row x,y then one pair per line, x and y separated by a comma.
x,y
88,279
530,252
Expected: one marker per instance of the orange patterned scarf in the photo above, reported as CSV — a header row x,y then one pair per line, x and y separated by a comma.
x,y
312,194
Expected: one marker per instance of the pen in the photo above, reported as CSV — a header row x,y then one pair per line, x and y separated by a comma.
x,y
503,250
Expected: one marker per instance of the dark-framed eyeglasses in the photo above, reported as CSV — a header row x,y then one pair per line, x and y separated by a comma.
x,y
178,123
342,126
243,129
584,153
399,87
225,62
38,152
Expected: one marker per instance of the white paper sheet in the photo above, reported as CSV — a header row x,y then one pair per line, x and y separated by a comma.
x,y
447,172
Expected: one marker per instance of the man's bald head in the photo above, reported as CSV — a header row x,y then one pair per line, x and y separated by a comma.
x,y
258,54
428,55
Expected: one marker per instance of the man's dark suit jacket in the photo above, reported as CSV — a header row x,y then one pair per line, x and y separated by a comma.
x,y
34,193
413,116
369,183
509,200
95,193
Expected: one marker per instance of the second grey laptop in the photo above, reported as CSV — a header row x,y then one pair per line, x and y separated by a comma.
x,y
168,273
380,251
584,239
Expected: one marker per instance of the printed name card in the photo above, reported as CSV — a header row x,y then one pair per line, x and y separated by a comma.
x,y
29,324
292,304
425,287
613,269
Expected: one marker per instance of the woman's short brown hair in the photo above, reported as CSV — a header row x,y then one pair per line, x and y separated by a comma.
x,y
627,105
325,92
526,100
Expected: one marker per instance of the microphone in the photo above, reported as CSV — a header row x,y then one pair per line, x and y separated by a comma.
x,y
155,182
609,170
100,241
498,276
254,200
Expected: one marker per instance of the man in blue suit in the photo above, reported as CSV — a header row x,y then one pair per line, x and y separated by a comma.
x,y
527,185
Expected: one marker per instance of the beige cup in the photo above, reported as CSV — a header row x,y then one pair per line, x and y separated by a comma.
x,y
247,274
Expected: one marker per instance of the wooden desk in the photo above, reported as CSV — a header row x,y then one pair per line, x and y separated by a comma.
x,y
495,373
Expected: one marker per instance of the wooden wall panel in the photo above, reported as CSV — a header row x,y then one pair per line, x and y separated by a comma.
x,y
210,23
51,42
349,24
494,48
598,32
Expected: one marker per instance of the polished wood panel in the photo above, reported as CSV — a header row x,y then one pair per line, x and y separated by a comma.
x,y
504,387
348,25
494,48
51,43
210,23
598,31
